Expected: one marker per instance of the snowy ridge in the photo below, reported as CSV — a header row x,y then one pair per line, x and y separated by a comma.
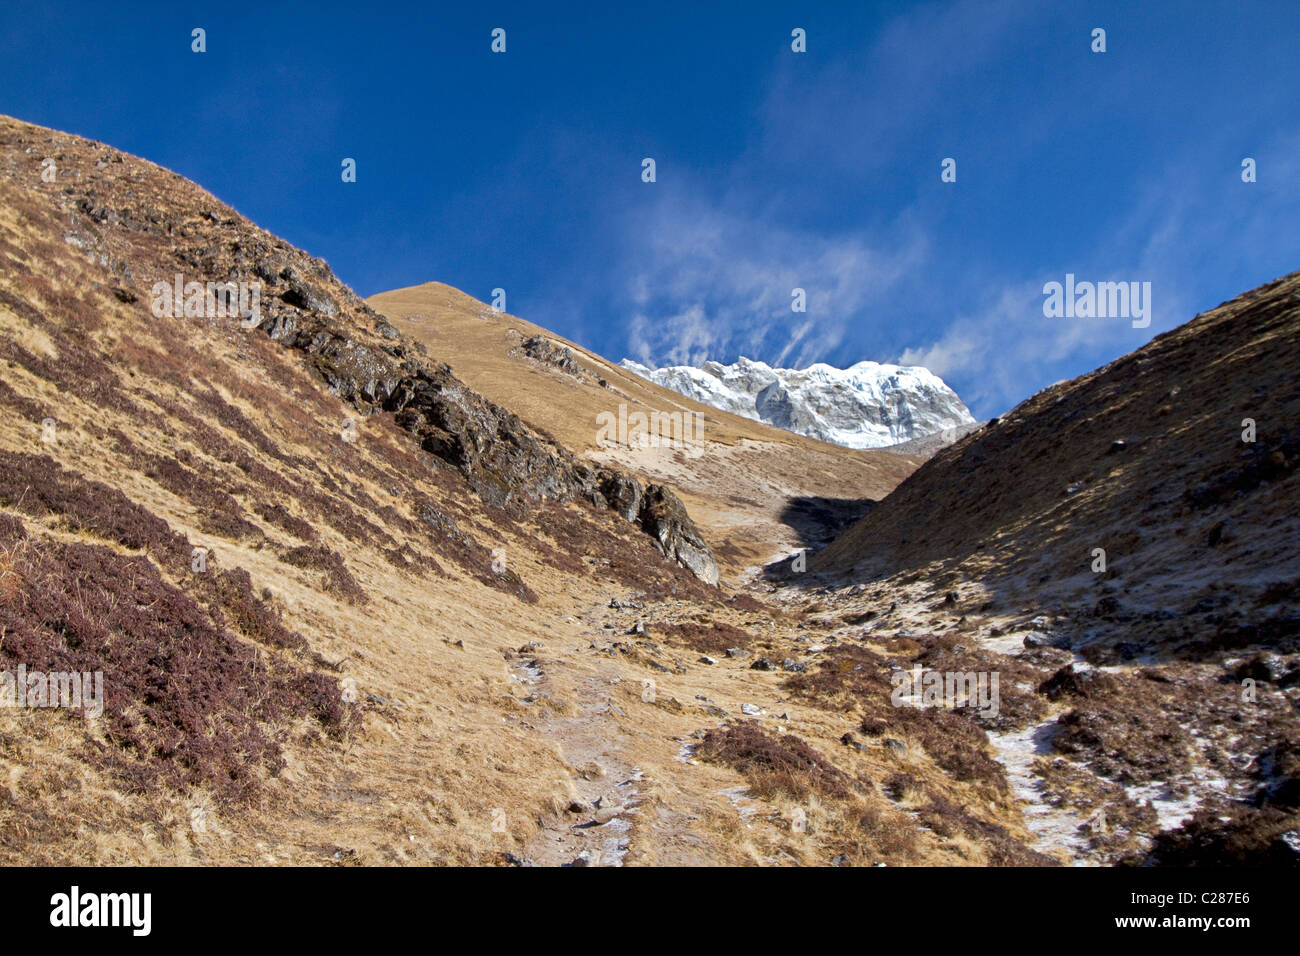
x,y
868,405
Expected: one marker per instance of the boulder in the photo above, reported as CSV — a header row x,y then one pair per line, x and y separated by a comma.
x,y
623,493
664,518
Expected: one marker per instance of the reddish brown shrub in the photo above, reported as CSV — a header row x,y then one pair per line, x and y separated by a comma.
x,y
279,516
186,703
338,579
37,485
231,591
774,765
714,637
453,543
947,819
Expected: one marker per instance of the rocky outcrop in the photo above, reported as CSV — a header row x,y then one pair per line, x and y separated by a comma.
x,y
660,514
623,493
306,296
542,349
505,462
663,516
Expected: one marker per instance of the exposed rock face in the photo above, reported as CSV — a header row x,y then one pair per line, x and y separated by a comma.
x,y
310,298
505,462
868,405
664,516
542,349
661,514
623,493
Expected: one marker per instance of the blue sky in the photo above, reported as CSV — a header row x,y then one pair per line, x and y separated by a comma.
x,y
775,169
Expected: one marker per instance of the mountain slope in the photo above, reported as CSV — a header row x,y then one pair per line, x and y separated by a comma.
x,y
248,486
1129,544
345,609
1144,458
868,405
757,492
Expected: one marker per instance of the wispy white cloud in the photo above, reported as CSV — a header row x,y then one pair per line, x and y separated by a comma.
x,y
1175,227
711,272
710,283
706,267
991,351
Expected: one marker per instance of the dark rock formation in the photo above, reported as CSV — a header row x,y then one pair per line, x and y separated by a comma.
x,y
542,349
623,494
663,516
505,462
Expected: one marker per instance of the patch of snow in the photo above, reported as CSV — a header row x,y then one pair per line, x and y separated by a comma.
x,y
614,847
1054,828
740,799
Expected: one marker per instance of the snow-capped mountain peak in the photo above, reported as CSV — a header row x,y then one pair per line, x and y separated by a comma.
x,y
867,405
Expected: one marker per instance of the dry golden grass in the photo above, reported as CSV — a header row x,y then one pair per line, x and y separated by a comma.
x,y
464,748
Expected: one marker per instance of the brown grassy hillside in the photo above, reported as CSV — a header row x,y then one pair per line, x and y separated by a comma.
x,y
349,610
758,491
1167,680
1143,458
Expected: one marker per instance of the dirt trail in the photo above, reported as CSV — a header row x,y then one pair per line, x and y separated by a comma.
x,y
618,813
596,828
